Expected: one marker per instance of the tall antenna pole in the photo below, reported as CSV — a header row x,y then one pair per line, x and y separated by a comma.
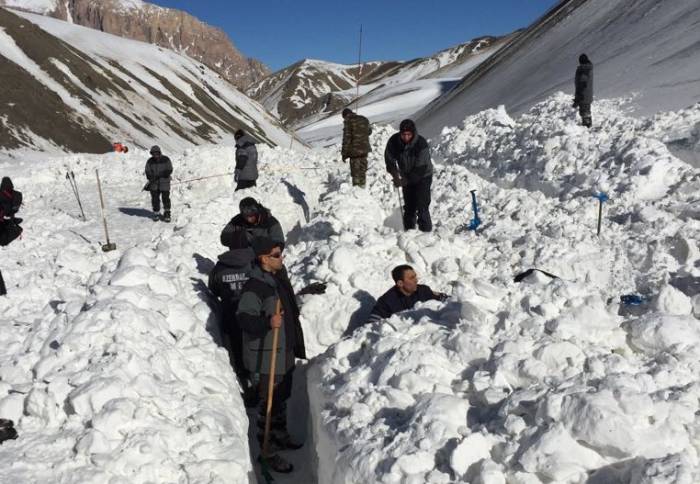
x,y
359,69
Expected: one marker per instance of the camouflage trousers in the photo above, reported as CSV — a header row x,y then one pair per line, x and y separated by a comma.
x,y
358,171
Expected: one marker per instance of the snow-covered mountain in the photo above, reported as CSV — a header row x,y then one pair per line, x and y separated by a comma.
x,y
169,28
67,87
647,50
310,89
403,90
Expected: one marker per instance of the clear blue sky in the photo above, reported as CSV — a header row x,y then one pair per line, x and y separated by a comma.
x,y
281,32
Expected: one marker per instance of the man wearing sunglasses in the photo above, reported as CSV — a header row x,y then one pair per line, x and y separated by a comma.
x,y
256,221
257,316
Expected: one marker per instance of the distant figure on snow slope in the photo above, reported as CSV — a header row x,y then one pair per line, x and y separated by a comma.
x,y
356,147
583,97
10,201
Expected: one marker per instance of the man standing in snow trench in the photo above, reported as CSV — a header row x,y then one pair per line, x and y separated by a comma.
x,y
356,131
256,221
407,158
158,171
257,317
246,172
583,97
404,295
226,282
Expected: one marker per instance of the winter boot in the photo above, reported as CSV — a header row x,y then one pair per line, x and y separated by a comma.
x,y
166,216
7,430
156,216
276,463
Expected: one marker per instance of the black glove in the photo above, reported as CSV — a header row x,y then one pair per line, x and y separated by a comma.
x,y
441,296
313,288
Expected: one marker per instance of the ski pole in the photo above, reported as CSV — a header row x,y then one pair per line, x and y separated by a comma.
x,y
398,194
602,197
77,195
109,245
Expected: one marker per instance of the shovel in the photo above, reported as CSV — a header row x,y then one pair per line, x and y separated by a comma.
x,y
109,246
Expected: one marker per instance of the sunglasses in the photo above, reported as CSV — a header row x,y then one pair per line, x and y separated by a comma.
x,y
275,256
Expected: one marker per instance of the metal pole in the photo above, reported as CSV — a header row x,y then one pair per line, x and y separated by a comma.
x,y
108,246
359,70
600,213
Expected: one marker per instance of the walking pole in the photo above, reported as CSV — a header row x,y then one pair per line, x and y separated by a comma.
x,y
270,393
77,194
398,193
602,197
109,245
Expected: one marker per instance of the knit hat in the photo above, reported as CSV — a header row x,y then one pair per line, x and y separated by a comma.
x,y
155,149
262,246
583,59
346,111
239,133
407,125
6,184
249,206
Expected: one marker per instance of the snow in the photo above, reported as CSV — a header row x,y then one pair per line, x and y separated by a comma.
x,y
112,371
39,6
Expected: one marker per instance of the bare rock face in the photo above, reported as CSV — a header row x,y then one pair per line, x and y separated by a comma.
x,y
168,28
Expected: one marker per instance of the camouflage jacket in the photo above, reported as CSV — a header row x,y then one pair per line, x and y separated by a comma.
x,y
356,131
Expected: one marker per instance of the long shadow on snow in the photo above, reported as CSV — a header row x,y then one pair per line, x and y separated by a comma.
x,y
359,317
136,212
204,264
299,198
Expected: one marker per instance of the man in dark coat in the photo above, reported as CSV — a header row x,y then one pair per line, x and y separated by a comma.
x,y
407,158
267,290
158,171
356,147
246,172
404,295
10,201
583,97
226,282
256,221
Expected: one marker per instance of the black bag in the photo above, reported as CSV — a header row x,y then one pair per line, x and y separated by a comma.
x,y
9,231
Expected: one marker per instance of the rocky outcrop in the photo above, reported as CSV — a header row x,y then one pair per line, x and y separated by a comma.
x,y
169,28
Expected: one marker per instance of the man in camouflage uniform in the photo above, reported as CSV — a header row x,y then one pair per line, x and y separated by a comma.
x,y
356,131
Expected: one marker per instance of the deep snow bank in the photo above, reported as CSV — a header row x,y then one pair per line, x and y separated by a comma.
x,y
535,382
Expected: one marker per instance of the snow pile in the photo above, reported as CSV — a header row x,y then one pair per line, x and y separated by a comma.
x,y
541,381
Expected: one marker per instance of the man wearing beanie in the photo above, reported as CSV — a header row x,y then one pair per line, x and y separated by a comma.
x,y
158,171
583,82
356,147
257,316
256,221
407,158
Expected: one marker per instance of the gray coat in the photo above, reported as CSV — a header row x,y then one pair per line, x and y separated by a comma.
x,y
246,158
584,84
158,171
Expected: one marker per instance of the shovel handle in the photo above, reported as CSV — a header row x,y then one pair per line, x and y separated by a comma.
x,y
271,383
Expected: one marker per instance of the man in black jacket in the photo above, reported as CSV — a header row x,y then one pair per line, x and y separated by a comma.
x,y
404,295
256,221
10,201
226,282
246,172
158,171
407,158
583,97
257,315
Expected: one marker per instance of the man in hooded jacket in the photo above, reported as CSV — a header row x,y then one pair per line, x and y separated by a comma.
x,y
10,201
407,158
246,172
583,83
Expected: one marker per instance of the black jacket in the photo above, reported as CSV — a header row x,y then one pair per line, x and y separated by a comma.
x,y
411,160
268,227
394,301
10,201
226,282
584,84
158,171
